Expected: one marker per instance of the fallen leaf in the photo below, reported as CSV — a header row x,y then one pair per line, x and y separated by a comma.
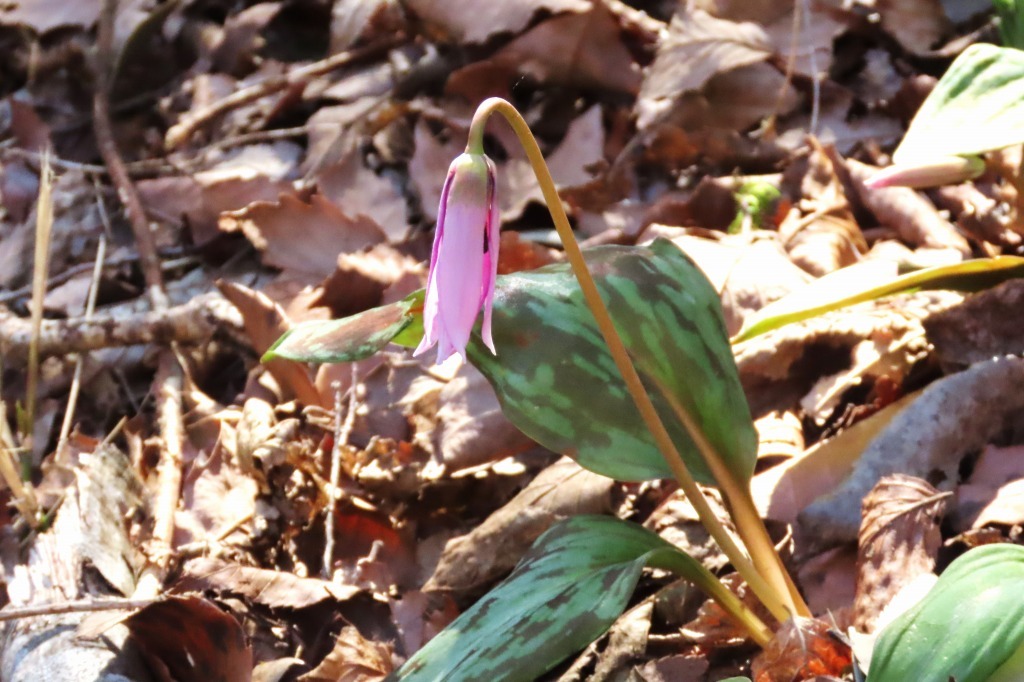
x,y
495,546
697,47
353,659
276,589
916,24
899,540
984,325
802,649
358,191
952,416
45,15
909,212
580,50
483,22
326,231
188,639
265,322
994,493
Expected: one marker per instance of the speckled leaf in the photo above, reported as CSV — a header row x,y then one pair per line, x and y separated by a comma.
x,y
355,337
977,106
554,376
569,588
557,382
969,627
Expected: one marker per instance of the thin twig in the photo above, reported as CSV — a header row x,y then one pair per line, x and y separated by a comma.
x,y
180,133
76,381
82,606
342,432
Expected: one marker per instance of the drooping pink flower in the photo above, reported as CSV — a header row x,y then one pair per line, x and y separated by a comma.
x,y
464,261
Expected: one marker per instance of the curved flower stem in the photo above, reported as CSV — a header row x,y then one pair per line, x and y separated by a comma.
x,y
776,598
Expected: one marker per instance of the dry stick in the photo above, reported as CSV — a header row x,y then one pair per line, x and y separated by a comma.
x,y
342,432
169,373
776,598
195,321
83,606
40,271
180,133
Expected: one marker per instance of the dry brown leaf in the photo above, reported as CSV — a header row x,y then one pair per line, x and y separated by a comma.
x,y
582,50
265,322
356,20
358,191
994,494
471,428
820,233
984,325
353,659
307,238
802,649
828,582
44,15
361,279
488,19
782,492
188,639
952,417
907,211
916,24
672,669
899,540
216,497
419,616
275,589
838,124
697,47
495,546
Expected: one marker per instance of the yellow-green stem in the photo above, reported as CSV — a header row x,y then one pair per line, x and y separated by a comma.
x,y
779,603
743,512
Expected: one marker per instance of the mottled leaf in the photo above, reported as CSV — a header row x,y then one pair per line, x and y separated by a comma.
x,y
554,376
969,627
843,288
355,337
557,381
565,593
976,107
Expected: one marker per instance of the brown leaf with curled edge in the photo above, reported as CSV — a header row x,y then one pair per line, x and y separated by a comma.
x,y
697,47
898,541
264,323
275,589
353,659
495,546
486,19
802,649
294,235
357,190
188,639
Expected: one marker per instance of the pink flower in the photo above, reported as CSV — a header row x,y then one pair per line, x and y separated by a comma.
x,y
464,262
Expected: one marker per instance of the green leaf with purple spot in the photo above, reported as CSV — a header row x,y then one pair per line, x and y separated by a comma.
x,y
567,591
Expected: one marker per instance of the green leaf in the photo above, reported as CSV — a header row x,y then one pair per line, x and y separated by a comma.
x,y
557,382
977,106
571,586
1011,22
554,376
968,626
831,292
355,337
